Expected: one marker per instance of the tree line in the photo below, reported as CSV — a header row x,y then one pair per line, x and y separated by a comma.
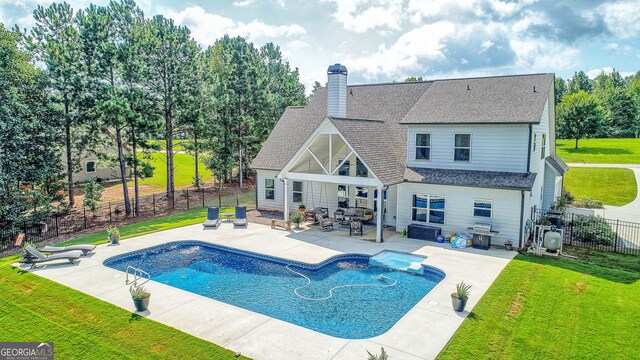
x,y
107,77
607,106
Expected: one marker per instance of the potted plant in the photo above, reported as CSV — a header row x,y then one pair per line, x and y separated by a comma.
x,y
114,235
460,297
368,214
508,245
140,297
302,208
296,218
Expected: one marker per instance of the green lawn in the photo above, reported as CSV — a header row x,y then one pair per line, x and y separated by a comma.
x,y
600,151
612,186
177,144
542,308
184,170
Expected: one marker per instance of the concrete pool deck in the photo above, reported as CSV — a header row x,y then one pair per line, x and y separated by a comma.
x,y
420,334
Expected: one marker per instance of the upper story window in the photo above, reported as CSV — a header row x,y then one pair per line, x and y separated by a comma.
x,y
90,166
462,147
423,146
344,169
483,208
543,146
297,191
361,170
269,189
428,208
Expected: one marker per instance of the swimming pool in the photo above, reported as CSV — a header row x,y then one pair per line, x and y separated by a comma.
x,y
343,296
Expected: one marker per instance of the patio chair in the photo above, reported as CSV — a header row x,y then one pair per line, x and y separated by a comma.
x,y
355,227
325,223
34,256
213,218
241,216
85,248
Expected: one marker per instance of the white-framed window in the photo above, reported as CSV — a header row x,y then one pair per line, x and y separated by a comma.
x,y
535,139
423,146
483,208
297,191
269,189
543,146
343,196
462,147
375,200
90,166
344,169
428,208
361,170
362,196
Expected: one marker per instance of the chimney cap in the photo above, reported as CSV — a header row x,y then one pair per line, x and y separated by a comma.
x,y
337,69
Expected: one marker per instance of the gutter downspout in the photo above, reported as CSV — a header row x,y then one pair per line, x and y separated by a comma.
x,y
529,149
520,241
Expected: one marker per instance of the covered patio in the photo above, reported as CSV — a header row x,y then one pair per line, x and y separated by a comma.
x,y
337,174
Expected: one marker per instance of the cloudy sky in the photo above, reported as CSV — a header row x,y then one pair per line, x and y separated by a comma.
x,y
385,40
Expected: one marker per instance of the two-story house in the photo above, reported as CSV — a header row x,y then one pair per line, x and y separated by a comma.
x,y
448,153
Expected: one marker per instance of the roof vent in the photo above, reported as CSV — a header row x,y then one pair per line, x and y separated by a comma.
x,y
468,87
534,88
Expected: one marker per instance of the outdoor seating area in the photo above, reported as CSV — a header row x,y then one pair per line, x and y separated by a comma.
x,y
239,217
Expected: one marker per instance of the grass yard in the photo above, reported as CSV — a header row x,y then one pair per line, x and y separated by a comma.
x,y
613,186
183,174
33,308
542,308
600,151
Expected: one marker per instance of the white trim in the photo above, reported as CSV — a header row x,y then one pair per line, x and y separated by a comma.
x,y
273,188
343,161
318,161
334,179
473,209
415,147
462,147
428,208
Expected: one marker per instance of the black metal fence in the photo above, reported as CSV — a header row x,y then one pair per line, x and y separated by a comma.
x,y
55,225
593,232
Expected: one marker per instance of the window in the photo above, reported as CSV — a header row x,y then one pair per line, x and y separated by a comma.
x,y
542,145
269,189
482,208
91,166
423,146
362,196
344,169
535,139
375,200
297,191
343,196
462,147
361,170
428,208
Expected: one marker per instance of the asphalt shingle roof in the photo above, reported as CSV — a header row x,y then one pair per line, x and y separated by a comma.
x,y
471,178
500,99
557,163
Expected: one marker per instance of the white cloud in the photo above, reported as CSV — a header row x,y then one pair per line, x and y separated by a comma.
x,y
544,55
622,18
207,27
242,3
361,16
593,73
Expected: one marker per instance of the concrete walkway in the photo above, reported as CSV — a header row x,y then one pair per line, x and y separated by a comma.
x,y
420,334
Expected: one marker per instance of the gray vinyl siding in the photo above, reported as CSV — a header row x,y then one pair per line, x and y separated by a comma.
x,y
493,147
267,204
459,208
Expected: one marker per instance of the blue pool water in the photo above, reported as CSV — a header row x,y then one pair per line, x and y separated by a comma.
x,y
320,297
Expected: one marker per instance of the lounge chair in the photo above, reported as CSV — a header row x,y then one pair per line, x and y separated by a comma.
x,y
241,216
86,249
213,219
325,223
35,257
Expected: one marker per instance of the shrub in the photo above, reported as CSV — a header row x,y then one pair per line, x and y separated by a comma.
x,y
592,229
92,195
588,203
383,355
296,217
139,293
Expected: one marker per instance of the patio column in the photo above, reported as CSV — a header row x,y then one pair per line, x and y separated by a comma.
x,y
379,215
285,195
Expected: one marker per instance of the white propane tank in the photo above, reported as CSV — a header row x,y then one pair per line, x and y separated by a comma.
x,y
552,240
